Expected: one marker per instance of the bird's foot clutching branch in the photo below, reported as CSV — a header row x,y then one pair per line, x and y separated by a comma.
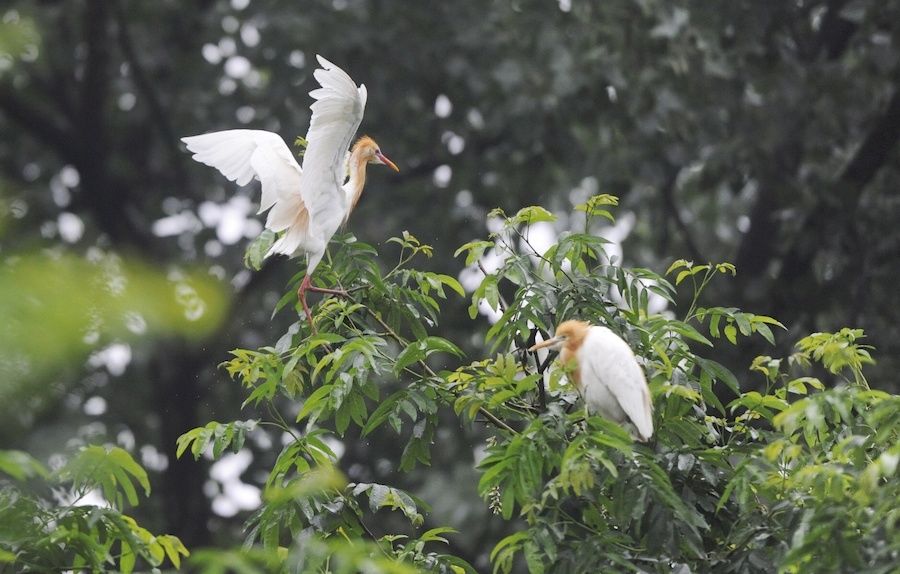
x,y
306,285
301,295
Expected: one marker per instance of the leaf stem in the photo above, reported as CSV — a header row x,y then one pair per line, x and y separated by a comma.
x,y
487,414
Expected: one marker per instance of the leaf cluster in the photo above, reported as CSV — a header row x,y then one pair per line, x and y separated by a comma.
x,y
38,533
740,476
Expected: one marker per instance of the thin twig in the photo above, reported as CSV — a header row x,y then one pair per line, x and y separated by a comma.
x,y
365,528
542,392
393,334
487,414
277,414
145,85
540,256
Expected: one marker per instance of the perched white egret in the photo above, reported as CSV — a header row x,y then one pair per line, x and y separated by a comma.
x,y
606,373
308,204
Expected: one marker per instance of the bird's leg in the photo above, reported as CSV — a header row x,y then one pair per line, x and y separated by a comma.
x,y
306,285
301,294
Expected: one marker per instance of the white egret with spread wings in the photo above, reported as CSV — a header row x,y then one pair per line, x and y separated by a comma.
x,y
306,204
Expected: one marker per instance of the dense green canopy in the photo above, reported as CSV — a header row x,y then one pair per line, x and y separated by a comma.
x,y
762,133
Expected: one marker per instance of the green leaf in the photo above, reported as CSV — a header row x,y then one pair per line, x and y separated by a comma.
x,y
342,419
678,264
185,440
475,250
174,548
533,557
20,465
413,352
432,344
128,558
6,557
596,201
726,267
220,435
689,332
504,551
382,412
453,284
255,254
743,323
731,333
124,461
314,402
382,496
765,332
720,373
111,469
435,534
714,325
532,214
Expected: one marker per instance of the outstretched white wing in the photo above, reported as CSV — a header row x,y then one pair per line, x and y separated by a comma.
x,y
242,155
608,361
308,204
336,115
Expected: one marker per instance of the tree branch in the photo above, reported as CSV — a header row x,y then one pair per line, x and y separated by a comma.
x,y
38,122
837,209
759,245
145,87
487,414
835,31
95,82
875,149
668,195
523,361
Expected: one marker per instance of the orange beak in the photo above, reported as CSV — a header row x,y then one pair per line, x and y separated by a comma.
x,y
544,344
384,159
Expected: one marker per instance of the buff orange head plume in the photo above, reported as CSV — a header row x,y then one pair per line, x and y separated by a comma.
x,y
365,142
366,148
572,331
569,334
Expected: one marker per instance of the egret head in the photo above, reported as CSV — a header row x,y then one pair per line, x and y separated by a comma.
x,y
568,334
369,152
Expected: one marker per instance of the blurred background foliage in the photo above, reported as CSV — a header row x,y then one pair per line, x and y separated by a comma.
x,y
758,132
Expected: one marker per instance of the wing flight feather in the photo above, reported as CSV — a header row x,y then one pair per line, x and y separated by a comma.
x,y
307,203
336,115
244,155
